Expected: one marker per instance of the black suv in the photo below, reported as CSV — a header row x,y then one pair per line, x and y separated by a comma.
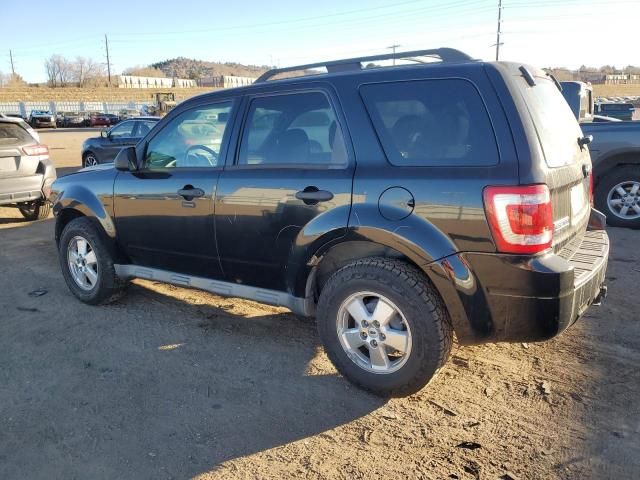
x,y
396,204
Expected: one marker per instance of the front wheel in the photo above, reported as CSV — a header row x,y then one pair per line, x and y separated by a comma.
x,y
384,326
37,210
618,196
87,263
89,160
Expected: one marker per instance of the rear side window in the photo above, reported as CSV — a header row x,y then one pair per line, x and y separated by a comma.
x,y
297,129
431,123
11,134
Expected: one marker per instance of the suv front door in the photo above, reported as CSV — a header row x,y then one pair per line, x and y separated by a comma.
x,y
164,210
291,170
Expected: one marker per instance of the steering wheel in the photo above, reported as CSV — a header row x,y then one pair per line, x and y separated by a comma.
x,y
194,148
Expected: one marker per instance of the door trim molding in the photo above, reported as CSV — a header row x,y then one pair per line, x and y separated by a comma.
x,y
297,305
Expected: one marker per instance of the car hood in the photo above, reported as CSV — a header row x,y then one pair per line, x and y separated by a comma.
x,y
100,166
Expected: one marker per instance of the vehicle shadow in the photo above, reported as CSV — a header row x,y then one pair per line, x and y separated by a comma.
x,y
164,383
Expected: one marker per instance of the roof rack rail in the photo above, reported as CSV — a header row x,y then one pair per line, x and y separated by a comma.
x,y
350,64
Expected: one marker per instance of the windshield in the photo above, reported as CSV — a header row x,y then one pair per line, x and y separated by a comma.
x,y
555,123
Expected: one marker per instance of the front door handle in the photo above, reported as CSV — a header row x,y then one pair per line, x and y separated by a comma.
x,y
189,192
311,195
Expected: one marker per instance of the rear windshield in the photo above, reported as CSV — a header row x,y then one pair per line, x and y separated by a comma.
x,y
12,134
555,123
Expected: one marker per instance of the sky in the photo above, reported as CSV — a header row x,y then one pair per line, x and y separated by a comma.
x,y
545,33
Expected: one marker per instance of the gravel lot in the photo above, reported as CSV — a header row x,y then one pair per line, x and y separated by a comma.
x,y
173,383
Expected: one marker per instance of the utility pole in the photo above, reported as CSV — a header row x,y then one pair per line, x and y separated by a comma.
x,y
499,30
393,47
106,44
13,70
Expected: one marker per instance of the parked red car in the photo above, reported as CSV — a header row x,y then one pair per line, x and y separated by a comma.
x,y
99,120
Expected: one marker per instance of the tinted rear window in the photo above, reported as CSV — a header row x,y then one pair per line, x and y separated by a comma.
x,y
431,123
11,134
616,107
557,128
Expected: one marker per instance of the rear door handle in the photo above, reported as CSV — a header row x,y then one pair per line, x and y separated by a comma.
x,y
311,195
189,192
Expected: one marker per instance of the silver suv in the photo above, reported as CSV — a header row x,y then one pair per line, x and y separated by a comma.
x,y
26,171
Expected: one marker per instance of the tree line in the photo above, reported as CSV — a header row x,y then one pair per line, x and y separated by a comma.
x,y
81,72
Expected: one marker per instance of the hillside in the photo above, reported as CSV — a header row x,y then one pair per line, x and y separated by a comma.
x,y
190,68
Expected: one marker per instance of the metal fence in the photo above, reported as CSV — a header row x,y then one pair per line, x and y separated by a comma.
x,y
24,108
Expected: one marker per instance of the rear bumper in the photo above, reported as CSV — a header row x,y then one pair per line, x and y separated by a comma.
x,y
510,298
21,189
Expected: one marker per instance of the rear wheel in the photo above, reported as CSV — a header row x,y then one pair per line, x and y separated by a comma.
x,y
383,326
36,210
618,197
87,263
89,159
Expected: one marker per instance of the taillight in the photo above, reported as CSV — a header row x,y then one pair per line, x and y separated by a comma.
x,y
36,150
520,217
591,188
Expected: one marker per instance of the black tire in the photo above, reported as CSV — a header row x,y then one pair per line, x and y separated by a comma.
x,y
419,303
85,158
627,174
109,286
37,210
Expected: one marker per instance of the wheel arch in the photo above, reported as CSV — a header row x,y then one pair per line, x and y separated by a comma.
x,y
615,159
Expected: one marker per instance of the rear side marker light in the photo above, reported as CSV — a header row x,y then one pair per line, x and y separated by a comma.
x,y
520,218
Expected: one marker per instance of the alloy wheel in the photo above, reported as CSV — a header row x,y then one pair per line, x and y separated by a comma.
x,y
374,333
624,200
83,263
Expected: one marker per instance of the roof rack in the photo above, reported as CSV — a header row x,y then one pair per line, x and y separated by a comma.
x,y
351,64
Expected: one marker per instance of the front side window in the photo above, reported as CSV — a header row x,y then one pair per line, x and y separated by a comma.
x,y
144,127
192,139
295,129
431,123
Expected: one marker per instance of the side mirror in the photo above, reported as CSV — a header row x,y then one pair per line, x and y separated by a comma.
x,y
126,160
104,134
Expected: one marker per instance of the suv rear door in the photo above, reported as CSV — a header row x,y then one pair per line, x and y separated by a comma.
x,y
559,160
291,170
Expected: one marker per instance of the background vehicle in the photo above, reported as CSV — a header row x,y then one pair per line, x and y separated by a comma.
x,y
113,118
103,149
26,172
99,120
468,210
622,111
615,153
73,120
164,103
42,118
126,113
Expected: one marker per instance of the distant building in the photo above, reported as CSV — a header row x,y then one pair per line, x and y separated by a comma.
x,y
622,78
133,81
225,81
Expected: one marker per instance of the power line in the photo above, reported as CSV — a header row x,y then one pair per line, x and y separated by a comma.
x,y
106,44
498,43
393,47
13,70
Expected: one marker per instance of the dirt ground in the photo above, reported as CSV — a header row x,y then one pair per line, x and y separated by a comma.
x,y
171,383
